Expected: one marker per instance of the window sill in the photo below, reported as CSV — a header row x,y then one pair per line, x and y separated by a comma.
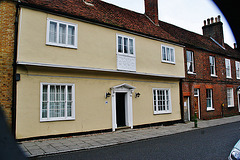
x,y
61,45
159,113
231,106
214,76
55,120
173,63
191,73
229,77
126,54
210,109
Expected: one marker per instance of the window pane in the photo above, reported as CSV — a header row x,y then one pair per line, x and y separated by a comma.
x,y
62,33
172,55
52,93
168,54
69,109
120,45
58,93
44,113
69,95
164,53
53,32
189,56
44,93
125,45
71,35
131,46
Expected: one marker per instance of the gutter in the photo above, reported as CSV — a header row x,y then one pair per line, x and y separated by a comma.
x,y
14,88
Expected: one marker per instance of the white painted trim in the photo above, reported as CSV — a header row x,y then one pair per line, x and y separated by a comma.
x,y
210,108
170,102
199,108
165,61
57,118
95,69
57,43
232,99
237,63
126,54
229,67
128,89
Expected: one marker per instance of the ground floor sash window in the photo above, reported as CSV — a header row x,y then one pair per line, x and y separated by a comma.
x,y
57,102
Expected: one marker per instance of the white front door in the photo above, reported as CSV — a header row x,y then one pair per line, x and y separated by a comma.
x,y
122,106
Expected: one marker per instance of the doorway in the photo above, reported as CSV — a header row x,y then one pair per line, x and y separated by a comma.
x,y
121,109
122,113
196,102
186,109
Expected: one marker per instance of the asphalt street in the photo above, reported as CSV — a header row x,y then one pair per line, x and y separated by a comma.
x,y
208,144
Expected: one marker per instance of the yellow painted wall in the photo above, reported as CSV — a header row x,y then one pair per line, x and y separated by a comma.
x,y
96,47
91,111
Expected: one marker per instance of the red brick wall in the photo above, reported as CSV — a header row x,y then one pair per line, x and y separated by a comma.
x,y
7,29
203,80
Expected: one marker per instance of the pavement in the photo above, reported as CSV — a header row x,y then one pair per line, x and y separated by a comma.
x,y
41,147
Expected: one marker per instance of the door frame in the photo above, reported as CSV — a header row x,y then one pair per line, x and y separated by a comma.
x,y
199,107
128,90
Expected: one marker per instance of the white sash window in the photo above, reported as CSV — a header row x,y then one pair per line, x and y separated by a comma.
x,y
61,34
57,102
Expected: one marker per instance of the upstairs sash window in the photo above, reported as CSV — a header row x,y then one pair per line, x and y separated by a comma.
x,y
190,62
237,70
61,34
125,45
168,54
212,65
228,68
126,56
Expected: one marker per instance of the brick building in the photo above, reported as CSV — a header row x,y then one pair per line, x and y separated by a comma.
x,y
212,79
7,41
45,62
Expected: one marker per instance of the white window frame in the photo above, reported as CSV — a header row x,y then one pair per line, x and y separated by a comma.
x,y
123,45
212,58
228,68
72,117
155,107
57,43
190,62
237,64
171,61
230,97
211,100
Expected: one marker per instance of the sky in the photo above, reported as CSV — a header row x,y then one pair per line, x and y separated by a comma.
x,y
187,14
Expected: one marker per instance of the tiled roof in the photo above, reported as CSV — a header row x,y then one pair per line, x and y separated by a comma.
x,y
105,13
108,14
195,40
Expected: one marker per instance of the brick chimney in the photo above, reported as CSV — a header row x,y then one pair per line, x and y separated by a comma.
x,y
214,29
151,10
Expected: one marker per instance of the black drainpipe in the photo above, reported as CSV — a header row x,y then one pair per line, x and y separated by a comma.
x,y
181,100
14,88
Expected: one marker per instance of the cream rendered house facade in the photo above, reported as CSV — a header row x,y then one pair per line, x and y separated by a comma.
x,y
79,76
